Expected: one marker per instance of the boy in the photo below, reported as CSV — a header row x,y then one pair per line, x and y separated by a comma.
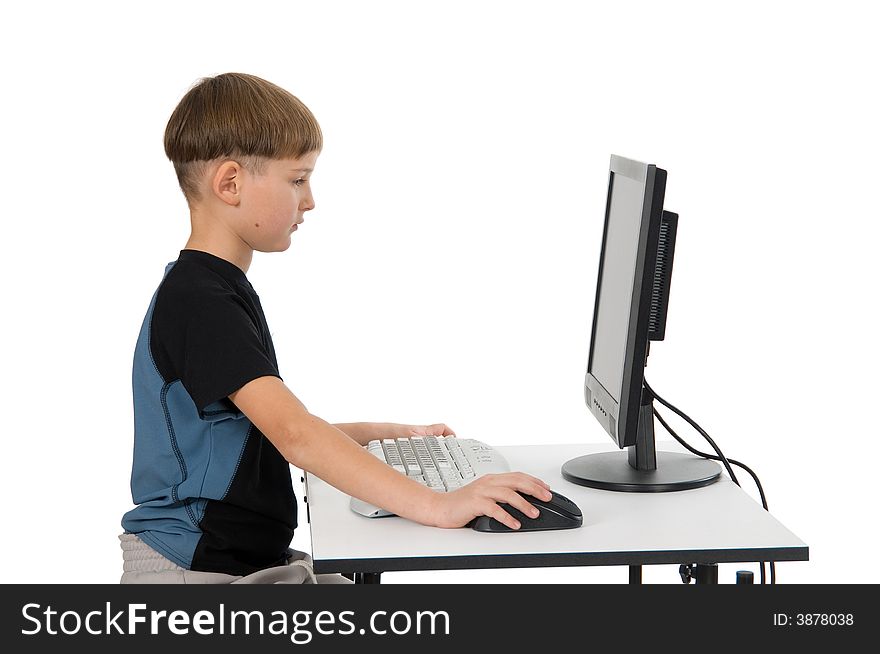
x,y
215,426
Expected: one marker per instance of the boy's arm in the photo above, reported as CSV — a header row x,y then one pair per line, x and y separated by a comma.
x,y
364,432
314,445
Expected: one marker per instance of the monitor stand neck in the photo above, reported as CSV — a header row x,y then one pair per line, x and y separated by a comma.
x,y
643,455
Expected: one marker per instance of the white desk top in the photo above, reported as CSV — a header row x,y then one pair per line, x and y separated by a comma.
x,y
716,524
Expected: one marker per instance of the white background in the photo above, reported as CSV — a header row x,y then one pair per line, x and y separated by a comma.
x,y
448,271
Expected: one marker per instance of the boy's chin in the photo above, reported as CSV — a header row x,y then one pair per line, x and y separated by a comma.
x,y
275,247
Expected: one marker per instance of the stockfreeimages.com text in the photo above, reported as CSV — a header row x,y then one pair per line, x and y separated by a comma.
x,y
300,626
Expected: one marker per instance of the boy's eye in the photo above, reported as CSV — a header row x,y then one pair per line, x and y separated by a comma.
x,y
300,182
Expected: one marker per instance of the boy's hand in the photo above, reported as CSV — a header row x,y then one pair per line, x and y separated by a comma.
x,y
480,497
364,432
438,429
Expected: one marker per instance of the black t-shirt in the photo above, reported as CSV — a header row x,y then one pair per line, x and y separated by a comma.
x,y
213,493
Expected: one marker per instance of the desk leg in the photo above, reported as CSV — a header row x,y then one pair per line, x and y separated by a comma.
x,y
707,573
368,577
635,574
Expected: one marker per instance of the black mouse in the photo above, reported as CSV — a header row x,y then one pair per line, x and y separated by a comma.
x,y
558,512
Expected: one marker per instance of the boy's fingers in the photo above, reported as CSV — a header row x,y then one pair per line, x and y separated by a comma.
x,y
539,490
542,483
519,502
437,429
534,486
503,517
510,497
527,484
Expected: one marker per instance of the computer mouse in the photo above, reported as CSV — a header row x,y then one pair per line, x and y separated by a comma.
x,y
558,512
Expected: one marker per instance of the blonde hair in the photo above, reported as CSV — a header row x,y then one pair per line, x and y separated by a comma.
x,y
236,116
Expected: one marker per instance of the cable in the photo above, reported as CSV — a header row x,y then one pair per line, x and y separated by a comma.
x,y
736,463
715,458
720,457
693,424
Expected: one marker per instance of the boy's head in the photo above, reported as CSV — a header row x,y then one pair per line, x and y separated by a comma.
x,y
234,140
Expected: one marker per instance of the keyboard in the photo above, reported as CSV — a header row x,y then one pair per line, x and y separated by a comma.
x,y
442,463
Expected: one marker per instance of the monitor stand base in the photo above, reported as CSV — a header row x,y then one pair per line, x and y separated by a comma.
x,y
612,471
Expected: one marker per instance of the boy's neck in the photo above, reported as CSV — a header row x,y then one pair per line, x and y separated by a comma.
x,y
211,234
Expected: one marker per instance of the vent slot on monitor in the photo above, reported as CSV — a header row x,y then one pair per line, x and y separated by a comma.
x,y
662,277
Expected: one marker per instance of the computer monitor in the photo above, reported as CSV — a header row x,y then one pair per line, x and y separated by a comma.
x,y
632,295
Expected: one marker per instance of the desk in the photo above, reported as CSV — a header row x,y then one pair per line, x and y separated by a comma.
x,y
716,524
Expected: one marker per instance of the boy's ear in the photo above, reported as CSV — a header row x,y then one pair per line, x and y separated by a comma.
x,y
226,183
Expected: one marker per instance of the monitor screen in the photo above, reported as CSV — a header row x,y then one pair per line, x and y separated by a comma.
x,y
618,272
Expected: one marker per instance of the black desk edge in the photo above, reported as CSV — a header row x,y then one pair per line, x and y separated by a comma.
x,y
491,561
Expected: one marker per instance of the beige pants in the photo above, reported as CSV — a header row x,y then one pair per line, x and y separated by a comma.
x,y
141,564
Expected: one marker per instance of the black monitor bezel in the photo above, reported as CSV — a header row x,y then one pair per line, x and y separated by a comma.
x,y
621,418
